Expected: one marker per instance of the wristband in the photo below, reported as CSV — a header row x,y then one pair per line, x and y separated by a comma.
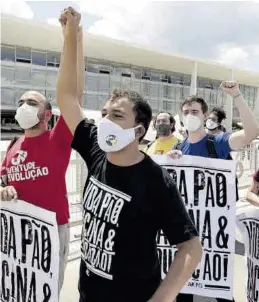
x,y
237,95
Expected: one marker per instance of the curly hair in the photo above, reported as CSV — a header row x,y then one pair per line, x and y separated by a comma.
x,y
141,108
220,113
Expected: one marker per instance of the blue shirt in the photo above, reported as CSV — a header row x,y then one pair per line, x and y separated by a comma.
x,y
221,143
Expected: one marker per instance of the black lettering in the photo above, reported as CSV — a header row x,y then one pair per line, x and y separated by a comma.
x,y
207,269
46,249
46,292
195,219
21,282
199,184
216,267
221,237
36,251
26,229
183,188
32,292
12,240
5,273
206,232
209,194
4,233
221,190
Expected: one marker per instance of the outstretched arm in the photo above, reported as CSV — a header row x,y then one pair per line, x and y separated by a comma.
x,y
240,139
67,82
80,65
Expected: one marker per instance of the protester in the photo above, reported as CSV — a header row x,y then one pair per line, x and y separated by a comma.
x,y
164,124
213,123
252,194
35,164
194,110
127,197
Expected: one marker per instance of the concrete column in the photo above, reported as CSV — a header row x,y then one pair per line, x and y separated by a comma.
x,y
256,108
193,87
228,107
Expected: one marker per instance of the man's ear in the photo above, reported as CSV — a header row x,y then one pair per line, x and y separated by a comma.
x,y
140,131
48,115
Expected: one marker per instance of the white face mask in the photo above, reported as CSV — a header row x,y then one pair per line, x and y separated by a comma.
x,y
112,138
27,116
211,125
191,122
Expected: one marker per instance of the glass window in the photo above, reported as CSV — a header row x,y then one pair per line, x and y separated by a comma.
x,y
175,78
52,75
168,106
171,92
51,96
102,101
205,83
92,67
39,58
91,102
154,105
105,68
214,97
178,94
145,89
22,74
136,85
187,80
91,82
155,76
7,96
115,82
38,77
7,53
154,90
23,55
146,74
53,59
125,82
165,91
104,83
122,70
186,91
137,72
7,75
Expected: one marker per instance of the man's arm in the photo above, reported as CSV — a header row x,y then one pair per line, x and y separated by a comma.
x,y
252,195
186,260
80,66
240,139
67,87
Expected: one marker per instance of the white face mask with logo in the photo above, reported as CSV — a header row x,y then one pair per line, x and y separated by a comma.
x,y
112,138
211,125
191,122
27,116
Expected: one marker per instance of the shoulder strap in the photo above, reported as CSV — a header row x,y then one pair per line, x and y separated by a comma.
x,y
178,145
211,146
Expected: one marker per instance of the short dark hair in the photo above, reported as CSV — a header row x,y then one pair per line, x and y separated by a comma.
x,y
256,176
47,105
141,108
193,98
220,113
171,119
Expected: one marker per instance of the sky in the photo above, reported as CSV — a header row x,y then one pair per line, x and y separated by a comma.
x,y
223,31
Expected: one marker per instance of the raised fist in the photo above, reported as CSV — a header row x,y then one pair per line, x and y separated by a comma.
x,y
69,19
230,87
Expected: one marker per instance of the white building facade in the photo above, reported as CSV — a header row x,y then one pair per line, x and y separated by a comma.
x,y
30,57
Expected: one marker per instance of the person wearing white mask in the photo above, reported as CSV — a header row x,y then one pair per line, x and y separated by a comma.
x,y
126,200
35,163
215,118
199,143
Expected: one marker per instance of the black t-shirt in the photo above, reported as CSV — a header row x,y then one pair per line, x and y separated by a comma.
x,y
123,209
